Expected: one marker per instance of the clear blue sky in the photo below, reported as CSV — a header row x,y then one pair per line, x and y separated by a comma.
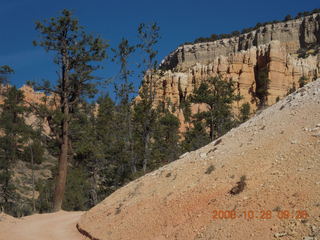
x,y
179,20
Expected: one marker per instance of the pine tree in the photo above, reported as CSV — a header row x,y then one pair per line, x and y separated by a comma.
x,y
87,156
5,70
165,147
195,137
115,169
262,88
144,120
145,114
124,89
244,112
15,134
218,95
77,194
75,54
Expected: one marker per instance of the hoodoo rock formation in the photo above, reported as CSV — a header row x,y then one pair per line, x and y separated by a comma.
x,y
286,51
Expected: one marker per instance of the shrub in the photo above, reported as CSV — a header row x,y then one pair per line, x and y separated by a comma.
x,y
287,18
244,112
303,81
292,89
239,187
210,169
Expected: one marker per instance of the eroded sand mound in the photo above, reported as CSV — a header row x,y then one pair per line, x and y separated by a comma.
x,y
279,153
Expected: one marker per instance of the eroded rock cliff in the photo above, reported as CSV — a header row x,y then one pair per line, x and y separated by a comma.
x,y
293,35
286,50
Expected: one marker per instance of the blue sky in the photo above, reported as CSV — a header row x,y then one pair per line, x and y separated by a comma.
x,y
180,21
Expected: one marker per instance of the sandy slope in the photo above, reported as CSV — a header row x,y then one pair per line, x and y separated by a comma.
x,y
279,153
53,226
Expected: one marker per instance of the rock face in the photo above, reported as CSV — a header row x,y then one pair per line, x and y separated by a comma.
x,y
273,48
293,35
266,167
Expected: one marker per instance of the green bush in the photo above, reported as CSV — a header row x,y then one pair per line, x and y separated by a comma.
x,y
35,151
44,201
77,195
303,81
244,112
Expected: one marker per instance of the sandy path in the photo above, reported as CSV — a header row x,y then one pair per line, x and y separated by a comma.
x,y
53,226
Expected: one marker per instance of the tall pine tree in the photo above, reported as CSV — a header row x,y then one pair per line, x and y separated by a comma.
x,y
145,114
124,89
75,55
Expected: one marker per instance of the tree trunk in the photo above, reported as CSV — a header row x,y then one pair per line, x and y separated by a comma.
x,y
146,152
93,190
32,166
62,168
130,143
211,126
64,143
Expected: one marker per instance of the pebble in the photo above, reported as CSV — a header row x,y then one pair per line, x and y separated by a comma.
x,y
316,135
309,238
277,235
184,155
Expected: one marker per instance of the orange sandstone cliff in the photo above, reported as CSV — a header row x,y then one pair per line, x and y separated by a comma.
x,y
286,50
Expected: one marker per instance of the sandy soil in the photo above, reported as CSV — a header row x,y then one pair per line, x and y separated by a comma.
x,y
53,226
279,153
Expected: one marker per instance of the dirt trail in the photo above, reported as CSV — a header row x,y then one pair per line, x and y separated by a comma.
x,y
53,226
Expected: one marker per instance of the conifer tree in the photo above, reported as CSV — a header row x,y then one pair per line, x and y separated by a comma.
x,y
144,120
5,70
218,96
262,88
75,55
165,147
145,114
195,137
110,127
124,89
87,155
244,112
14,136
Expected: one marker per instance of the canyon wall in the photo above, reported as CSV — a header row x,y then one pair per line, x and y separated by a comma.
x,y
286,50
293,35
